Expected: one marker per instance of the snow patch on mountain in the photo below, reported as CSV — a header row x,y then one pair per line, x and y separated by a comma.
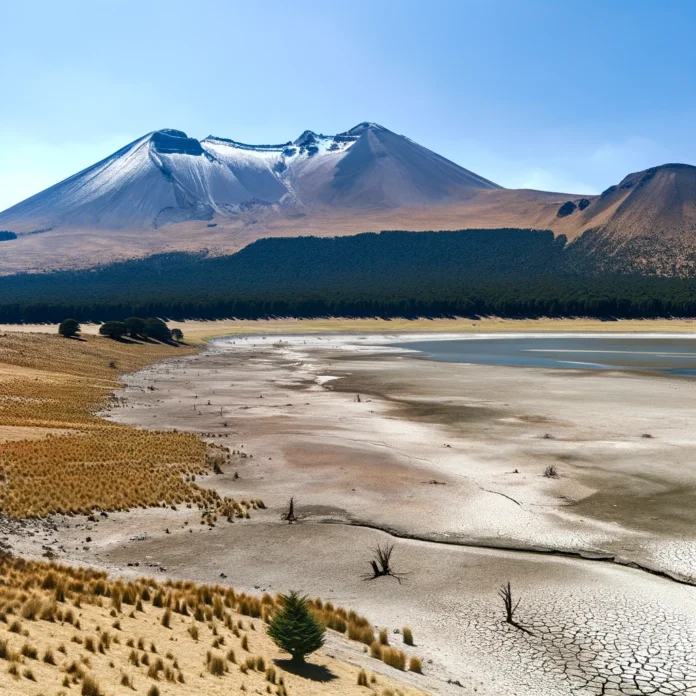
x,y
167,176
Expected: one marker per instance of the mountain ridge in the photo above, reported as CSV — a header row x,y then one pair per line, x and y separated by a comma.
x,y
166,176
166,191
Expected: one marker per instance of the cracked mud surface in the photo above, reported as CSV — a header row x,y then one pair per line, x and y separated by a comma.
x,y
598,645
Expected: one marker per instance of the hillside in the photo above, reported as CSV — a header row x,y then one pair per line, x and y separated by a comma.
x,y
646,223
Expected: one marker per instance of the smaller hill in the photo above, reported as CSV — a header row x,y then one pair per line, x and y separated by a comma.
x,y
645,223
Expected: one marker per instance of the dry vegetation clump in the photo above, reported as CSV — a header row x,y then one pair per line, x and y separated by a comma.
x,y
51,382
393,657
50,654
415,665
408,636
356,627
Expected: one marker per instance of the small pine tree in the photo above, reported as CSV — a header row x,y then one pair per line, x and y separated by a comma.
x,y
69,328
295,629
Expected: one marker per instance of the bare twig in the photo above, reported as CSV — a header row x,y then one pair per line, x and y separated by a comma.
x,y
505,593
289,514
381,564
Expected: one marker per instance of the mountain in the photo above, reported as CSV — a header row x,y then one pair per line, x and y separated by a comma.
x,y
645,223
167,177
170,192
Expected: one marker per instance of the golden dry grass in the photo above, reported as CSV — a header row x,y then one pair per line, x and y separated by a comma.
x,y
54,385
68,630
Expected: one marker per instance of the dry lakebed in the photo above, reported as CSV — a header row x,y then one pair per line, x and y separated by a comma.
x,y
563,465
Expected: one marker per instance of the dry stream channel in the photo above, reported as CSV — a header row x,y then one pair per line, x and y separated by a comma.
x,y
440,447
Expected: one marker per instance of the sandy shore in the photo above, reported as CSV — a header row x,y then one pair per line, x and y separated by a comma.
x,y
446,453
198,331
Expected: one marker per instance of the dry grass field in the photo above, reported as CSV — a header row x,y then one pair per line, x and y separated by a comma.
x,y
51,387
66,630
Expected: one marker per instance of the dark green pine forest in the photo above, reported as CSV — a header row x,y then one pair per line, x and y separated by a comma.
x,y
505,272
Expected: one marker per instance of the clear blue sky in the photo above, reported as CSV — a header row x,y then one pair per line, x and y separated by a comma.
x,y
561,95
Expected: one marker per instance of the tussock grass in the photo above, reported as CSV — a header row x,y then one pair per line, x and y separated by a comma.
x,y
60,384
216,665
394,657
85,652
90,686
408,636
415,665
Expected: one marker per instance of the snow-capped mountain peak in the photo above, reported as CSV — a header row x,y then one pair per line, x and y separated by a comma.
x,y
167,176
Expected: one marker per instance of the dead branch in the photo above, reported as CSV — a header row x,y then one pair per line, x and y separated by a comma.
x,y
505,593
381,564
289,514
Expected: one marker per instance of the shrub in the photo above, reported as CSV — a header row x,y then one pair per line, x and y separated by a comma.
x,y
112,329
135,326
157,329
69,328
294,627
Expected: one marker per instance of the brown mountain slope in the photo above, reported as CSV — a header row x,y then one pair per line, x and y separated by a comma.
x,y
646,223
82,247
